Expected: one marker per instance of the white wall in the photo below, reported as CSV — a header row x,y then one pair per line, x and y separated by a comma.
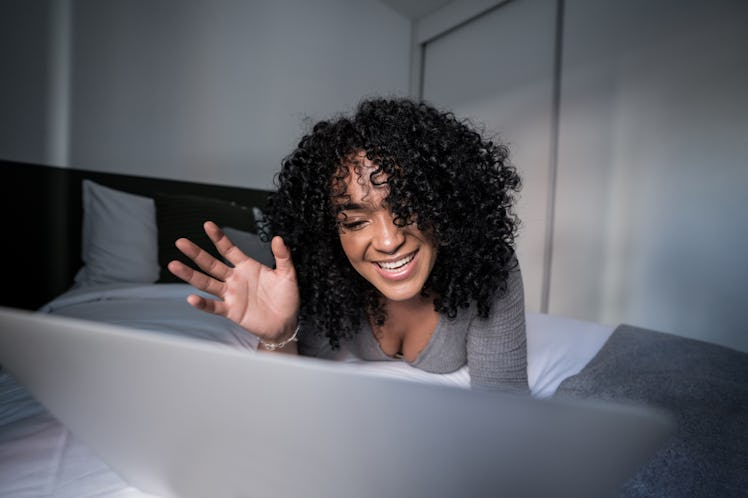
x,y
651,224
216,90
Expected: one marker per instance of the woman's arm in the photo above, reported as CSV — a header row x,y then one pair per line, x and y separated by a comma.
x,y
497,345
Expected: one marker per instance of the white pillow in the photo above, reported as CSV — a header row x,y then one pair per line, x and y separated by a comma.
x,y
119,242
559,347
251,245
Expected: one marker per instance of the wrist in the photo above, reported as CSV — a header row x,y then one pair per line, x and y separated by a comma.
x,y
283,342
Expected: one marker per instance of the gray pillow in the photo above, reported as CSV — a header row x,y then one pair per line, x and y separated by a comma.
x,y
251,245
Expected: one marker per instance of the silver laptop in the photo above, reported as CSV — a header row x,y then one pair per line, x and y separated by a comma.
x,y
179,417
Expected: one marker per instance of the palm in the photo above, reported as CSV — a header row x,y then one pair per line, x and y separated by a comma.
x,y
259,298
262,300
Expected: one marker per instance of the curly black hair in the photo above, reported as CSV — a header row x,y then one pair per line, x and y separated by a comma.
x,y
440,173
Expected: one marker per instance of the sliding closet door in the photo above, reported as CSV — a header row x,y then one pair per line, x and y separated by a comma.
x,y
650,218
498,71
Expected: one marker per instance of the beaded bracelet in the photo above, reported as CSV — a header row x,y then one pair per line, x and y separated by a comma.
x,y
272,346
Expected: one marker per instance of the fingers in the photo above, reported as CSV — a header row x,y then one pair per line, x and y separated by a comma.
x,y
207,305
225,246
196,279
203,259
282,255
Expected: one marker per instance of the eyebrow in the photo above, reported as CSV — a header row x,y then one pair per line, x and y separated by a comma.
x,y
354,206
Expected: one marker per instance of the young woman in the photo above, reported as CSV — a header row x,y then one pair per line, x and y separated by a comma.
x,y
393,235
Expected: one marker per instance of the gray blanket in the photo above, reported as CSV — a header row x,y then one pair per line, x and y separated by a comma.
x,y
704,386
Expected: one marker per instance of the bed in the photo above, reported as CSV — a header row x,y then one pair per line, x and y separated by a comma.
x,y
97,244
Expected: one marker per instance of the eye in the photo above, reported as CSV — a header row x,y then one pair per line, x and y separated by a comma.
x,y
351,225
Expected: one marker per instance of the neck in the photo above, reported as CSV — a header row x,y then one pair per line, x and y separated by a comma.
x,y
414,305
408,315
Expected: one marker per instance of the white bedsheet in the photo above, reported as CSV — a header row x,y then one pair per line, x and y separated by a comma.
x,y
39,457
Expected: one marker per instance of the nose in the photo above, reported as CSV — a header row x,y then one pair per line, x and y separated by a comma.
x,y
388,237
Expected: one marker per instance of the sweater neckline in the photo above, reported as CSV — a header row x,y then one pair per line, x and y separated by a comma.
x,y
399,356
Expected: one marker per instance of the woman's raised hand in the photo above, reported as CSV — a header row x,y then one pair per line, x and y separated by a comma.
x,y
263,300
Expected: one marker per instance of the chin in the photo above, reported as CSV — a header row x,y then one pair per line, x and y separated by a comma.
x,y
399,295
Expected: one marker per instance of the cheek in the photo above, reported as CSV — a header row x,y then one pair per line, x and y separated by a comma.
x,y
433,259
351,247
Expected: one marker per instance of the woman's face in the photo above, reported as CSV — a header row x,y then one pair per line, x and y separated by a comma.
x,y
395,260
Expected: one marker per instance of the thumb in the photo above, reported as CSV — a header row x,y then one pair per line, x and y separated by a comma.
x,y
282,254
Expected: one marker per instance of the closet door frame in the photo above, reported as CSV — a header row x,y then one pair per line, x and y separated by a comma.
x,y
455,15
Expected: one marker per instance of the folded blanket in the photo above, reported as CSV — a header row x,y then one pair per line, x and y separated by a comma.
x,y
703,385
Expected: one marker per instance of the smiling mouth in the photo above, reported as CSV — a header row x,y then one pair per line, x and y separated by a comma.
x,y
398,264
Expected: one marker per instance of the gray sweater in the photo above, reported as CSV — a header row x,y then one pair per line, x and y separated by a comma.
x,y
494,348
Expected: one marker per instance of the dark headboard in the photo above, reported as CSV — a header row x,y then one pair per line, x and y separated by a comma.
x,y
43,210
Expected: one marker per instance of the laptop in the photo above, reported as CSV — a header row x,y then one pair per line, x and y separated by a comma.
x,y
180,417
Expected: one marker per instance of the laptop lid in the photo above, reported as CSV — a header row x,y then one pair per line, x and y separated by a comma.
x,y
187,418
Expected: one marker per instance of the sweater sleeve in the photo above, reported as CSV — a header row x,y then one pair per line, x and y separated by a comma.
x,y
497,345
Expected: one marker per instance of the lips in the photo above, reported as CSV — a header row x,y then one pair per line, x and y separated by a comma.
x,y
397,269
396,264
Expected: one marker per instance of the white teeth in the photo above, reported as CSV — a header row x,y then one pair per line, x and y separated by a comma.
x,y
394,265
